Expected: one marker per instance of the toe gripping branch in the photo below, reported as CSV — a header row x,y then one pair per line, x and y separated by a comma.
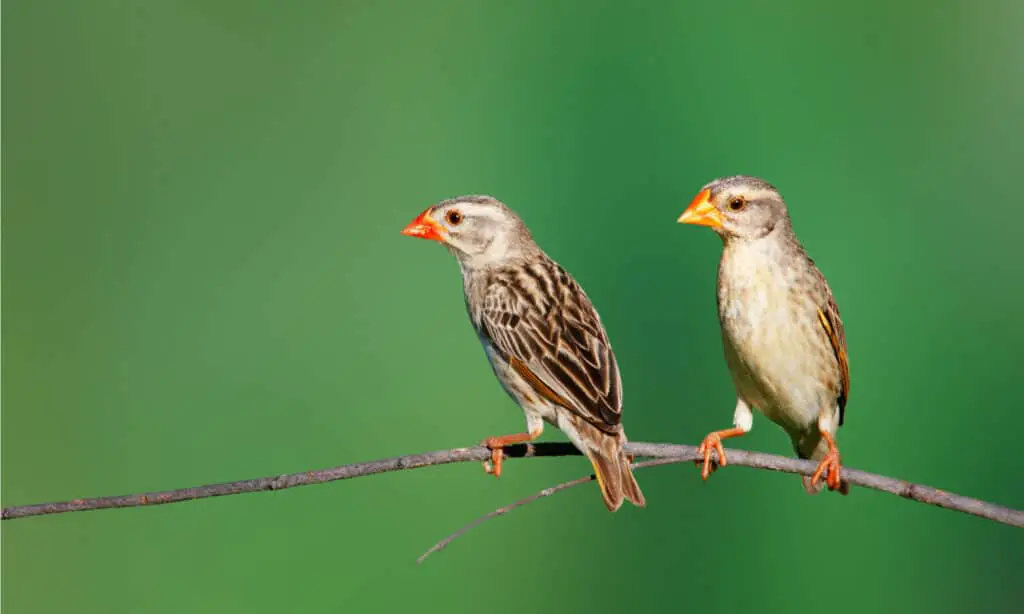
x,y
713,443
497,445
829,465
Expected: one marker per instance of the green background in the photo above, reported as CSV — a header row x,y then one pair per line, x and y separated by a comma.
x,y
204,280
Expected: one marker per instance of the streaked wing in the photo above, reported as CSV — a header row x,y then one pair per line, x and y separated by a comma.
x,y
542,322
831,321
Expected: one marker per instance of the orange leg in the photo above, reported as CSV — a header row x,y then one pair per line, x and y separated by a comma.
x,y
496,444
830,464
714,442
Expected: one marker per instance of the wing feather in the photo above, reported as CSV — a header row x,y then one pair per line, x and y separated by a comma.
x,y
542,322
833,325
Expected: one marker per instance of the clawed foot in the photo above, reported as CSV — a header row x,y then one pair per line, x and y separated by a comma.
x,y
713,442
830,465
497,445
493,466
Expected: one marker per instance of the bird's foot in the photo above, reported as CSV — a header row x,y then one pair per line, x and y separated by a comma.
x,y
829,466
497,445
712,443
493,465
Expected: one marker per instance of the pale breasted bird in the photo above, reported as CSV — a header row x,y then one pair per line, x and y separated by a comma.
x,y
783,337
541,334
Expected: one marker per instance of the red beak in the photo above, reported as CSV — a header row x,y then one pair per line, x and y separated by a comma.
x,y
425,227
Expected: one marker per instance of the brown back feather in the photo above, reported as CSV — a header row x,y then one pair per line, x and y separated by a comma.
x,y
542,322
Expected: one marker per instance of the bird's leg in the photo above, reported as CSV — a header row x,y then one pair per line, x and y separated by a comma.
x,y
743,418
493,466
830,464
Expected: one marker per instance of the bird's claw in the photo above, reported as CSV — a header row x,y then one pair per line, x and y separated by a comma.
x,y
711,443
493,465
832,466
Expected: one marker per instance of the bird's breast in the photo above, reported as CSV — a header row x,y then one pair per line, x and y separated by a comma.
x,y
766,328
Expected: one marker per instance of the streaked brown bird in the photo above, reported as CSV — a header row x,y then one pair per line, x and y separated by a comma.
x,y
542,336
783,337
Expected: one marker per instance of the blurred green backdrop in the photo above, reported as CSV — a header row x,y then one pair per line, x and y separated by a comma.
x,y
204,280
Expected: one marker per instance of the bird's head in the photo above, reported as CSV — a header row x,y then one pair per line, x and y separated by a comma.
x,y
479,230
738,207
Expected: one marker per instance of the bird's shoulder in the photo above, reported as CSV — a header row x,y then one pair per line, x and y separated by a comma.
x,y
535,288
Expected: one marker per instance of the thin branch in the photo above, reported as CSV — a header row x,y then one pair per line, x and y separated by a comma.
x,y
291,480
501,511
547,492
681,453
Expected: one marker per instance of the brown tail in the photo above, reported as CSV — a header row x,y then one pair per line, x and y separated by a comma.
x,y
844,486
616,480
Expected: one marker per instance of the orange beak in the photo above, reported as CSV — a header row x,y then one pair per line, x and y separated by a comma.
x,y
701,212
425,227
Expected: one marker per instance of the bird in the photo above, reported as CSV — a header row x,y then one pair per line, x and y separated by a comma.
x,y
542,336
784,340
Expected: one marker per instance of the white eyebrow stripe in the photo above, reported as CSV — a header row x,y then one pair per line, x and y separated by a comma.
x,y
479,210
755,194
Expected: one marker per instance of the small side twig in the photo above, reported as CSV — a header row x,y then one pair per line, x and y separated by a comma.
x,y
547,492
501,511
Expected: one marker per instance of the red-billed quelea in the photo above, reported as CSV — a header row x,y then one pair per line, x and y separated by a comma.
x,y
541,334
783,337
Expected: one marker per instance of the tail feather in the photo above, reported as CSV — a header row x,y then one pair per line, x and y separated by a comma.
x,y
616,480
630,488
611,465
844,486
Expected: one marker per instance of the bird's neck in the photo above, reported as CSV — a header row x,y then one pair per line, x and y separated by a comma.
x,y
497,255
766,247
745,260
778,239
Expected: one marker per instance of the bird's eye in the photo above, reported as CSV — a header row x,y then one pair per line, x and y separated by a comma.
x,y
454,217
737,203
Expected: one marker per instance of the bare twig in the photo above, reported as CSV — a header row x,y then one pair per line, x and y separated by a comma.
x,y
501,511
547,492
680,453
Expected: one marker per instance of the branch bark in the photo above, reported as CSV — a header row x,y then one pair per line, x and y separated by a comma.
x,y
681,453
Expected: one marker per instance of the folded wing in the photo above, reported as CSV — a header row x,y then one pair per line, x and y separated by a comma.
x,y
544,325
